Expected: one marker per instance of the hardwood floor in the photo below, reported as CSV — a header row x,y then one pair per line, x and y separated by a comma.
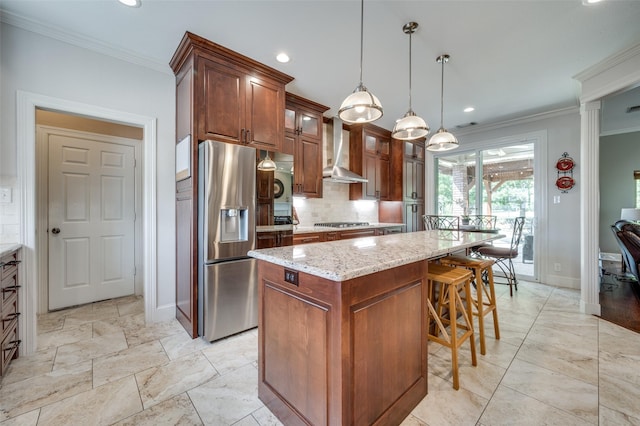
x,y
620,300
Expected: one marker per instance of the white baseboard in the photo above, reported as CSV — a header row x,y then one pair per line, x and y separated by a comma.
x,y
611,257
561,281
164,313
590,308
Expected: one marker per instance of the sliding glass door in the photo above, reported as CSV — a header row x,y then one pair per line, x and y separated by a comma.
x,y
496,181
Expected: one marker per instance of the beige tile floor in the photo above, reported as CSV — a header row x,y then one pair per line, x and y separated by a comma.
x,y
100,364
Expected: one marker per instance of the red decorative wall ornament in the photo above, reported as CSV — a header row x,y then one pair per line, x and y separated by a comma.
x,y
565,166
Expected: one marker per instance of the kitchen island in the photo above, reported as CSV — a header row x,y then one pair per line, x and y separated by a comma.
x,y
342,326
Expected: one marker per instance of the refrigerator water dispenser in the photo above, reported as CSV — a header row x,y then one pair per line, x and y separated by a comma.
x,y
234,224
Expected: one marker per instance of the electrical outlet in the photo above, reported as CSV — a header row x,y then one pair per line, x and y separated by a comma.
x,y
556,199
291,276
5,195
557,267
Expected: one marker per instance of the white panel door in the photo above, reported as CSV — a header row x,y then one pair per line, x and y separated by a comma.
x,y
91,221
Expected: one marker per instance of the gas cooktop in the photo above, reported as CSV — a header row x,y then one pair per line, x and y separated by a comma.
x,y
341,224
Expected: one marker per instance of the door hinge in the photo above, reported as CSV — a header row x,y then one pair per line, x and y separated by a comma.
x,y
135,272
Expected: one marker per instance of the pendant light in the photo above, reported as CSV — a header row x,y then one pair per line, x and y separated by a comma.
x,y
361,106
442,140
267,164
410,126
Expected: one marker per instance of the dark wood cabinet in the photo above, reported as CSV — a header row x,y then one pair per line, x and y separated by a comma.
x,y
264,198
414,170
303,140
350,352
225,96
272,239
357,233
414,184
413,213
309,237
9,313
371,155
238,107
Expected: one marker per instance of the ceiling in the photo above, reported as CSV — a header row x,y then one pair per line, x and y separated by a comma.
x,y
509,58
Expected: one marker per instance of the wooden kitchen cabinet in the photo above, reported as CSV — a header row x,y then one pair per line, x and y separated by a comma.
x,y
414,170
414,184
309,237
233,98
224,96
303,140
413,213
9,313
272,239
264,198
357,233
372,156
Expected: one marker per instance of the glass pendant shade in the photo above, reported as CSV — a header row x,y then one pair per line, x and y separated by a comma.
x,y
410,127
442,141
361,106
267,164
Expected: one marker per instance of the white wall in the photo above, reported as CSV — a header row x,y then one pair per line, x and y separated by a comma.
x,y
33,63
561,224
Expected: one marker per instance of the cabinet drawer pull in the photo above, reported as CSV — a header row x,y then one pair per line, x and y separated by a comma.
x,y
11,288
12,316
12,263
242,136
248,133
414,195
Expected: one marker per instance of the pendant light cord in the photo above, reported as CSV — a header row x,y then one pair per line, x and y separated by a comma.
x,y
361,37
410,35
442,95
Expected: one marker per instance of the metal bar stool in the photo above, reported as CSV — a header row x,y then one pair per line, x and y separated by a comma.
x,y
452,282
485,300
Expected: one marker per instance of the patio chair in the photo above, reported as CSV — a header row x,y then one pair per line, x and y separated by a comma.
x,y
504,256
439,222
483,221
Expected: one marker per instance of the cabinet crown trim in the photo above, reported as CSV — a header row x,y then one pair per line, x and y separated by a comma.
x,y
191,42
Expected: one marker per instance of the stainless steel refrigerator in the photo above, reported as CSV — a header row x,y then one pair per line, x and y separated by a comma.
x,y
227,277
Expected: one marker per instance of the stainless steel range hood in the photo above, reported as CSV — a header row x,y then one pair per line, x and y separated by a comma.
x,y
335,172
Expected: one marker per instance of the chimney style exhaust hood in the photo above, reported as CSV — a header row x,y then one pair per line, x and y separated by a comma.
x,y
335,172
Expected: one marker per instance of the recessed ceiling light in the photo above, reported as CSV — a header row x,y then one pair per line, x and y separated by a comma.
x,y
282,57
469,109
588,2
131,3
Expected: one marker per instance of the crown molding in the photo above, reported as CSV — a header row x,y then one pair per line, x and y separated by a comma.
x,y
75,39
518,121
608,63
620,131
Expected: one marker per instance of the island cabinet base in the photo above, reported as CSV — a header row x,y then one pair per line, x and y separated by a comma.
x,y
342,353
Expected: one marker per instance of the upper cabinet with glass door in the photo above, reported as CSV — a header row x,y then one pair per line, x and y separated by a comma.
x,y
303,140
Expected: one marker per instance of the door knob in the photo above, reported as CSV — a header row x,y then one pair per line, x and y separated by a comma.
x,y
55,231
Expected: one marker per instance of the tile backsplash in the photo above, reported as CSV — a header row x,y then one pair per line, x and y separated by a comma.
x,y
9,210
335,206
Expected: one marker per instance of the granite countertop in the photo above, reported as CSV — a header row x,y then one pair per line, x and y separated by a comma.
x,y
6,248
272,228
308,229
346,259
300,229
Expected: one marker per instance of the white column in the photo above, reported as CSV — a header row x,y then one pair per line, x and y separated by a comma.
x,y
590,206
